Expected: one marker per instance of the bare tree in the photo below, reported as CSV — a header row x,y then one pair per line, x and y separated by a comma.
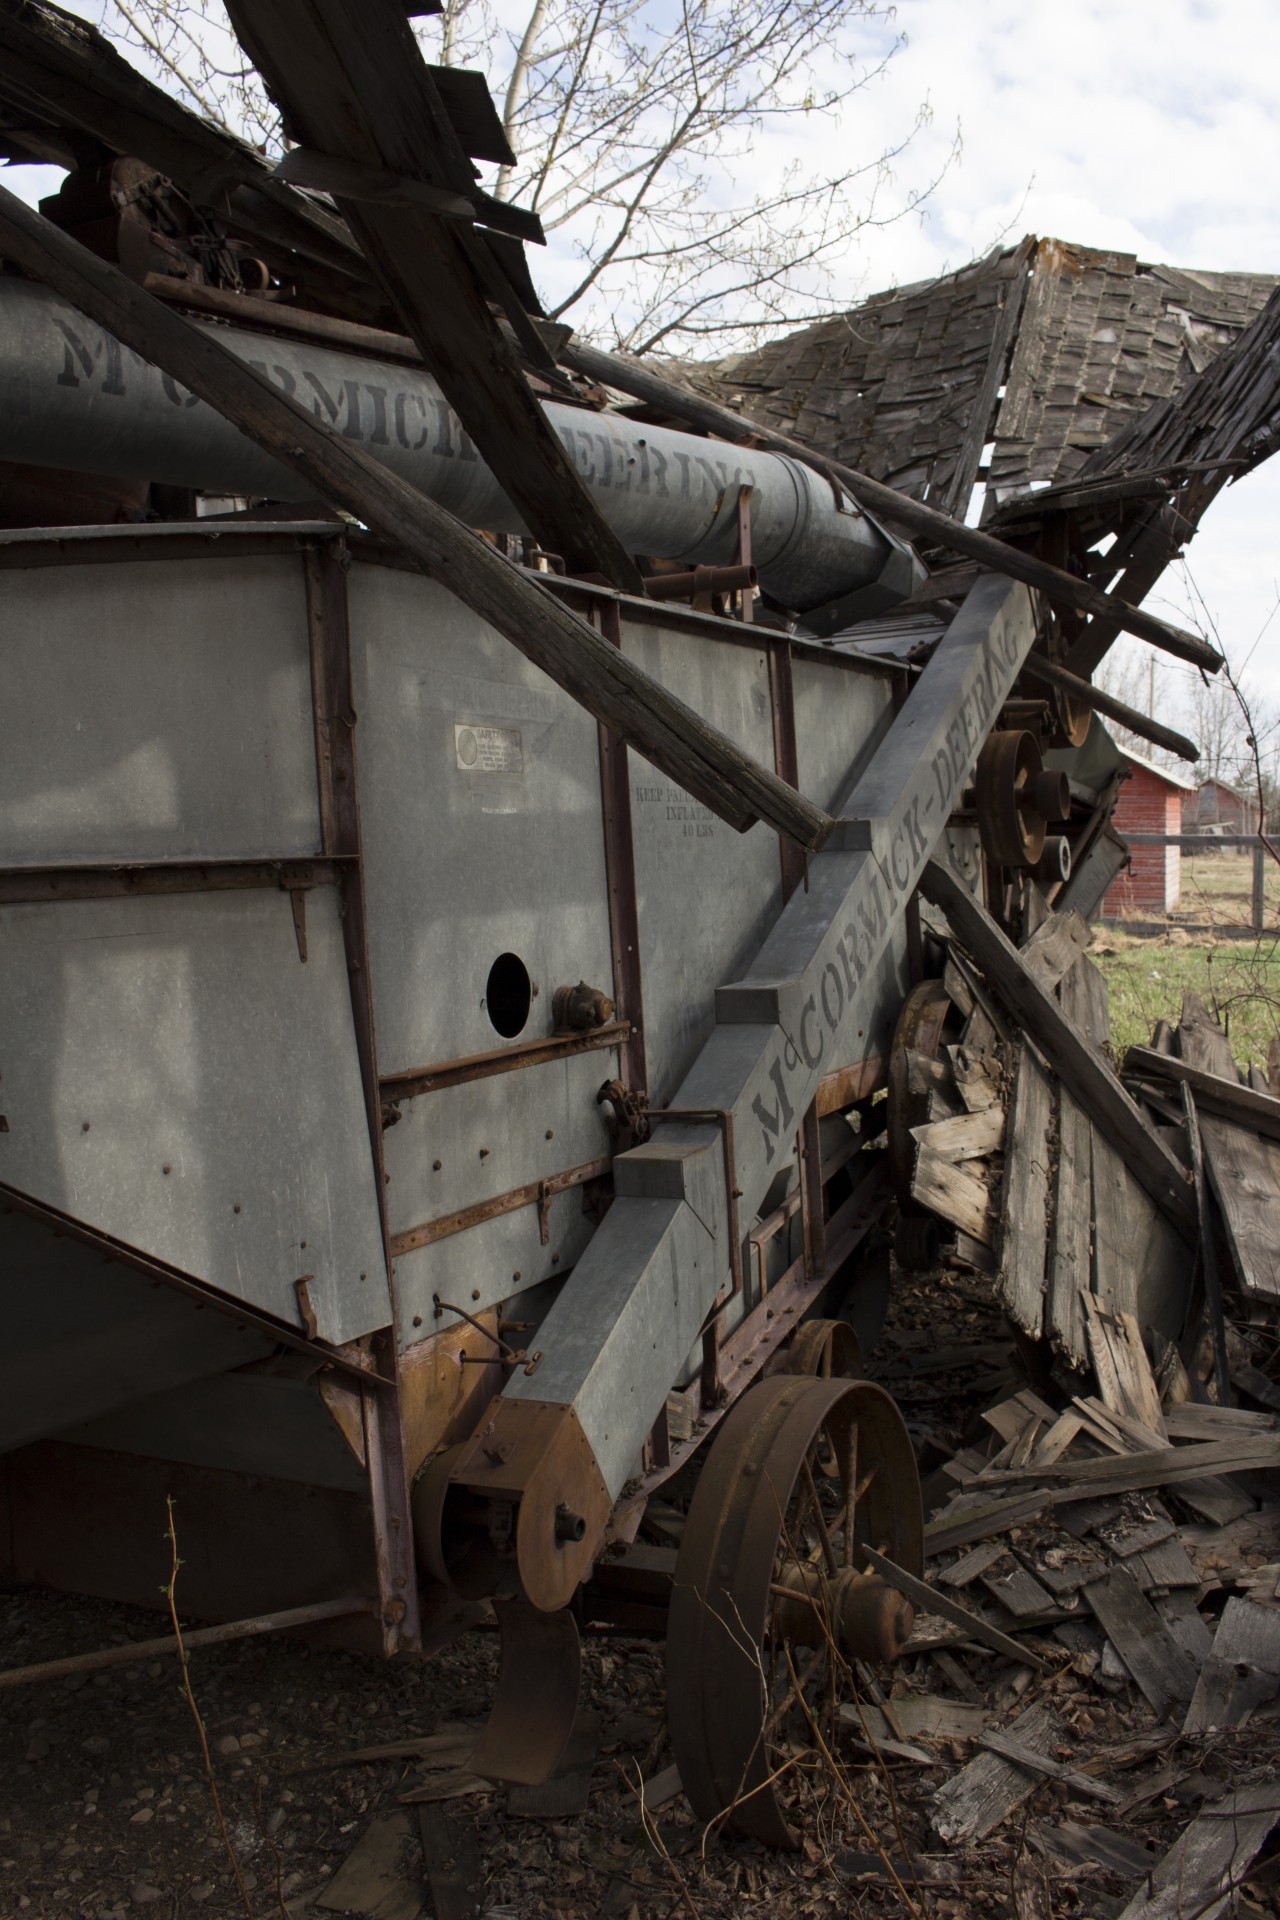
x,y
648,134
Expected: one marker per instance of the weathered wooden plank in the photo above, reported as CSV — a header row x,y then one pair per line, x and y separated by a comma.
x,y
1088,1077
570,651
1214,1092
975,1077
451,1855
974,1801
1160,1667
953,1192
1244,1170
1069,1265
1123,1371
1242,1671
967,1136
1199,1874
1024,1227
351,83
1049,1769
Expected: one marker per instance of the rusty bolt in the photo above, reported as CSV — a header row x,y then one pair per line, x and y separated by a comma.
x,y
516,1274
236,1207
570,1527
84,1126
417,1319
436,1165
555,1259
551,1133
166,1169
475,1293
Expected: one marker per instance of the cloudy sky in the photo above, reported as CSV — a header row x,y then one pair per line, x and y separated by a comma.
x,y
1151,126
1145,125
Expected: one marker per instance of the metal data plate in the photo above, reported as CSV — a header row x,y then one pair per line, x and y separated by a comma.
x,y
707,894
480,802
156,710
175,1076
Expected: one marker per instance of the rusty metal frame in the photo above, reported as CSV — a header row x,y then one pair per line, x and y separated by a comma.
x,y
534,1192
413,1081
39,885
750,1345
210,539
324,567
620,880
282,1621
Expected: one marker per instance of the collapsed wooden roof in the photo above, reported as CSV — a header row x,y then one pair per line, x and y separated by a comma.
x,y
1047,349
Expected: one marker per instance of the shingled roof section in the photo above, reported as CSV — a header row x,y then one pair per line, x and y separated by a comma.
x,y
1046,349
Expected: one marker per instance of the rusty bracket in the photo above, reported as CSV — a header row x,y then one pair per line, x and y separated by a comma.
x,y
507,1356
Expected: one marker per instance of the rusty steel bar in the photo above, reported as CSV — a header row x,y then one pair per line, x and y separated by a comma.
x,y
699,581
32,885
620,877
482,1066
516,1197
281,1622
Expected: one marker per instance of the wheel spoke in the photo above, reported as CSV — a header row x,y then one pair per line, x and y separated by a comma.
x,y
851,1501
828,1551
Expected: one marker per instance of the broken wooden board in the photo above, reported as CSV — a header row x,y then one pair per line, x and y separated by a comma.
x,y
969,1136
974,1801
376,1880
1244,1169
1087,1076
1024,1224
1200,1872
451,1855
1160,1668
1120,1363
1082,1784
954,1193
1242,1671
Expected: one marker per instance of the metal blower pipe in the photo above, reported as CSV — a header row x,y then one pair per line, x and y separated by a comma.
x,y
71,396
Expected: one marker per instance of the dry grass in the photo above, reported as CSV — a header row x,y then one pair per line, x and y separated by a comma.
x,y
1147,977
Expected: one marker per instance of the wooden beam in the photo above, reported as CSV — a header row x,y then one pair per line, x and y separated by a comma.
x,y
84,82
1080,1068
1064,589
352,85
571,652
1087,695
1260,1112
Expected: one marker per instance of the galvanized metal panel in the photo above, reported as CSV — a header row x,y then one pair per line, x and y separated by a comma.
x,y
489,1263
174,1075
158,710
841,718
83,1335
480,798
489,1136
707,894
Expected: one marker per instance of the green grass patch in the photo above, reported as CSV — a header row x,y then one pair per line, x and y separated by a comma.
x,y
1146,980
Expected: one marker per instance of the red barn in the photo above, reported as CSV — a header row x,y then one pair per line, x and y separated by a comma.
x,y
1151,801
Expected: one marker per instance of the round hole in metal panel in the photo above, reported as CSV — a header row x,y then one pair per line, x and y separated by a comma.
x,y
508,995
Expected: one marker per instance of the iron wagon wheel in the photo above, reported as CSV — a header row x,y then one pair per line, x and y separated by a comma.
x,y
772,1603
825,1348
921,1028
